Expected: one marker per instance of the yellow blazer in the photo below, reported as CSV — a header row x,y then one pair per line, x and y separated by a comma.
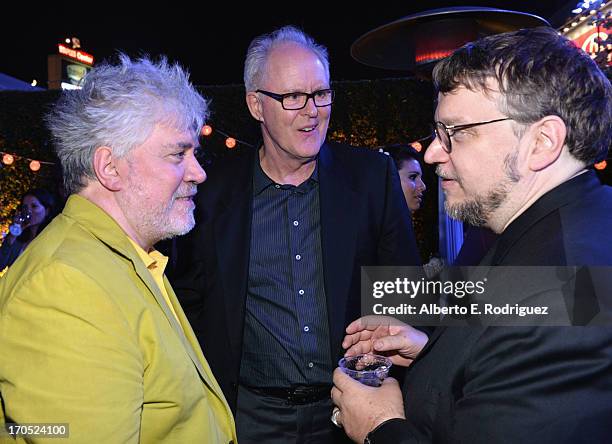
x,y
87,339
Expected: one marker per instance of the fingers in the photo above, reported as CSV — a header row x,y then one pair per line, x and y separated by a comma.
x,y
357,338
371,322
389,343
352,339
336,392
335,395
363,329
359,348
362,343
355,326
341,381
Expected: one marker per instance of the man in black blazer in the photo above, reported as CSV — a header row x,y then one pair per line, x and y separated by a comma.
x,y
272,271
520,119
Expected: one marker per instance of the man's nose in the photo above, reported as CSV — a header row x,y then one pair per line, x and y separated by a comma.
x,y
195,172
310,108
435,153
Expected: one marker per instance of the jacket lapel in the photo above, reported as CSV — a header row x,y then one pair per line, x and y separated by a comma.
x,y
338,202
106,230
232,235
181,326
147,279
192,345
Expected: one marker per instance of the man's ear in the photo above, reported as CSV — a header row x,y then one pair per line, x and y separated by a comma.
x,y
548,139
254,104
105,168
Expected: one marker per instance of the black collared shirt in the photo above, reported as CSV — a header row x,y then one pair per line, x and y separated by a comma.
x,y
286,333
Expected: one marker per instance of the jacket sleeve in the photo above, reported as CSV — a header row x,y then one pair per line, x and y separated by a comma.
x,y
538,384
528,385
68,356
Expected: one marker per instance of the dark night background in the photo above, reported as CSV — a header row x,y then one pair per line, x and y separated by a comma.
x,y
211,39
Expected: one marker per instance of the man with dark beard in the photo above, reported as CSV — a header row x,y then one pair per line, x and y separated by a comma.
x,y
520,119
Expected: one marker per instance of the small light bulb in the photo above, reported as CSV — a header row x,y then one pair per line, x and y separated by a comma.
x,y
601,165
8,159
35,165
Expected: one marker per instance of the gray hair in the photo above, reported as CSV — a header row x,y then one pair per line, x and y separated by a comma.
x,y
119,107
260,48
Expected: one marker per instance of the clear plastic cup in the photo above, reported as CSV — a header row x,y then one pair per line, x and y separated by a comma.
x,y
366,368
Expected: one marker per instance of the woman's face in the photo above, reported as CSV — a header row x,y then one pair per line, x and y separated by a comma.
x,y
413,186
37,210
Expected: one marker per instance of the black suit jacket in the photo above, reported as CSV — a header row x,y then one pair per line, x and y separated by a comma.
x,y
523,384
364,221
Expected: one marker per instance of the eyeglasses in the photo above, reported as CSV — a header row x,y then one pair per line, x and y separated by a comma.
x,y
445,132
298,100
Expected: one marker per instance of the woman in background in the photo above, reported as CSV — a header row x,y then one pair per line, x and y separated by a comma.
x,y
406,160
40,205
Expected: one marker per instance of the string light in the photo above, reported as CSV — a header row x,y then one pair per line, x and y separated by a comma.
x,y
601,165
207,130
7,159
417,145
230,141
34,164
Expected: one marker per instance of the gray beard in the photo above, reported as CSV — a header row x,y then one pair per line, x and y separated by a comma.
x,y
478,211
179,230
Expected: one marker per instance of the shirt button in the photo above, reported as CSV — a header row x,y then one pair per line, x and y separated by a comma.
x,y
301,292
307,328
310,365
298,257
277,186
295,223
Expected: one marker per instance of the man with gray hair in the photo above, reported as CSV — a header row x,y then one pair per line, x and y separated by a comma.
x,y
273,266
94,341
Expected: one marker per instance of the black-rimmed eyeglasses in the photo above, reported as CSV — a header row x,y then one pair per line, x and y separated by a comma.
x,y
445,132
298,100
